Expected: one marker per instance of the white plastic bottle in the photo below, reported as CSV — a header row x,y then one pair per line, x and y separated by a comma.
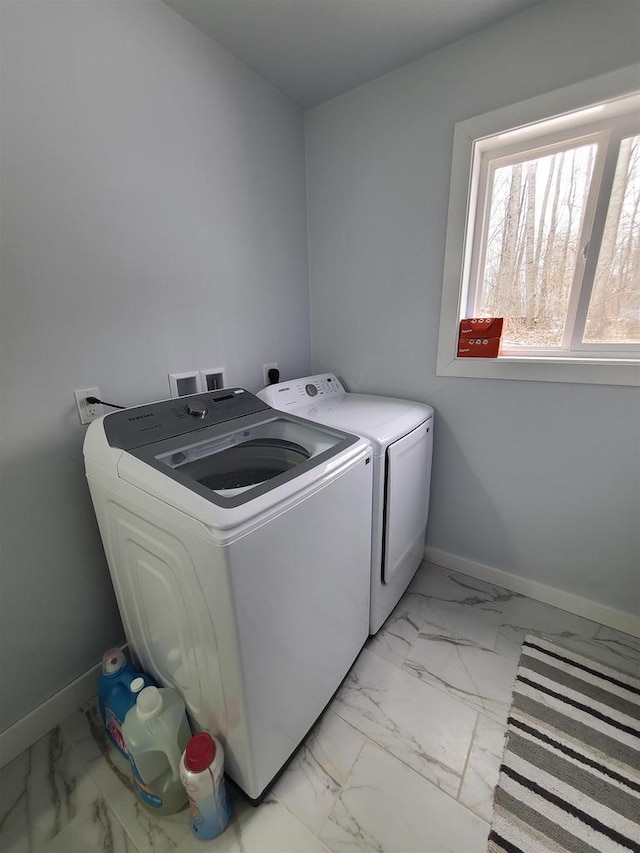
x,y
156,732
202,774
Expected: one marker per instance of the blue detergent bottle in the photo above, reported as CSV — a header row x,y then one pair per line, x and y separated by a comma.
x,y
114,696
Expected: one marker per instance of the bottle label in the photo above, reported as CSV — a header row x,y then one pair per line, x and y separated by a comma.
x,y
114,730
144,792
210,815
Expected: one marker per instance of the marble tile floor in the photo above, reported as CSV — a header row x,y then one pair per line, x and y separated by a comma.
x,y
404,760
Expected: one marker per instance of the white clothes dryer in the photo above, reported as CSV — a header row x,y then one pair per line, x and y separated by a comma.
x,y
238,542
401,433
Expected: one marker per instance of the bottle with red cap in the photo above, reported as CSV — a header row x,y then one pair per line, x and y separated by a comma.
x,y
202,774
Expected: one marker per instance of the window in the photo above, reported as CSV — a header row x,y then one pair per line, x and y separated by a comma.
x,y
544,230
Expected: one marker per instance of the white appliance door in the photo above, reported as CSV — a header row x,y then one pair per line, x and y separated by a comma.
x,y
408,478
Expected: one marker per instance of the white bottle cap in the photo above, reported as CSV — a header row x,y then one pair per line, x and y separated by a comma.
x,y
149,703
137,685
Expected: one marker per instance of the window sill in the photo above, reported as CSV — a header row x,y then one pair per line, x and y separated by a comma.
x,y
545,369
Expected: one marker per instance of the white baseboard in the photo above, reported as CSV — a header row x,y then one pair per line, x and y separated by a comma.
x,y
618,619
30,728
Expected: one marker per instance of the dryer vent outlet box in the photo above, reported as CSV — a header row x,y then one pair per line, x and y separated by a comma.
x,y
182,384
196,381
212,379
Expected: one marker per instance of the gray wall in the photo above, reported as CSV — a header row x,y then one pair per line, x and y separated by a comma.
x,y
537,479
153,220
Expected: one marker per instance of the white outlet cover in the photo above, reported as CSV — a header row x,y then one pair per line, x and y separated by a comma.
x,y
88,412
265,371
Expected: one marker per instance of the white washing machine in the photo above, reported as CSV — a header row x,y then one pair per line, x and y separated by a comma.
x,y
238,541
401,433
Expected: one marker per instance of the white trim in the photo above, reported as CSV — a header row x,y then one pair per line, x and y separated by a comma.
x,y
547,370
30,728
606,371
618,619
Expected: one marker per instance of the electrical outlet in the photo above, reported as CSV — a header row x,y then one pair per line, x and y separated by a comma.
x,y
88,411
265,371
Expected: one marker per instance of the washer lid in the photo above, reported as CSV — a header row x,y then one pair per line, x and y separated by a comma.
x,y
380,419
232,463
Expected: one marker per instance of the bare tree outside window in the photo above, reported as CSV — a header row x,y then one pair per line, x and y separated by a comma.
x,y
614,309
532,243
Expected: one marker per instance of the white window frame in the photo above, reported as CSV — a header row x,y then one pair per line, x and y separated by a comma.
x,y
602,365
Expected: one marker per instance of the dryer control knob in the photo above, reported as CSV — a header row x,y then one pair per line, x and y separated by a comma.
x,y
198,409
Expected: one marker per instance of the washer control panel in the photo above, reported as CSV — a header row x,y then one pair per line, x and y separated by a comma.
x,y
297,392
131,428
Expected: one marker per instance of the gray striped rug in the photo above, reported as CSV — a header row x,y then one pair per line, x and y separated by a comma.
x,y
570,774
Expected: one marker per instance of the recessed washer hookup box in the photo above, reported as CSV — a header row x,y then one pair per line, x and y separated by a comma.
x,y
479,337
